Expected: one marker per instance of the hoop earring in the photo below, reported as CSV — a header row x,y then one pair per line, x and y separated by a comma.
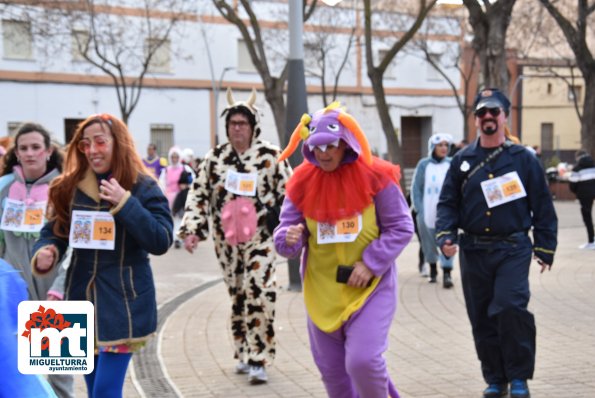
x,y
18,160
48,158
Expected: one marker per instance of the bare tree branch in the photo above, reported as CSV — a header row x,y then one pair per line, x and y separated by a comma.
x,y
578,42
325,59
490,24
110,38
252,35
376,73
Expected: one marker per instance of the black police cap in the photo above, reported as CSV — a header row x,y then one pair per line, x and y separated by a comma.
x,y
491,98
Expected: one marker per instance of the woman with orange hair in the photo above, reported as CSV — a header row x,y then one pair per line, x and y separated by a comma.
x,y
107,206
344,207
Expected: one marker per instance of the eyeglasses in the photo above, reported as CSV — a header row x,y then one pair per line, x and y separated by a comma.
x,y
101,143
238,123
482,112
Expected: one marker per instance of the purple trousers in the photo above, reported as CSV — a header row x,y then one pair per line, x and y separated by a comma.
x,y
350,359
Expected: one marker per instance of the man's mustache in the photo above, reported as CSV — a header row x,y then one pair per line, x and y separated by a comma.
x,y
489,121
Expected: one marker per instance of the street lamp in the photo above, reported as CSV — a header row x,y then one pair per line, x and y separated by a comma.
x,y
214,85
297,104
217,90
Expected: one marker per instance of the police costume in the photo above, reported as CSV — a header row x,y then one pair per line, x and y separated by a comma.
x,y
496,251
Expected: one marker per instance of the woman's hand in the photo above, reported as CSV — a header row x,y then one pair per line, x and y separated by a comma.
x,y
45,258
360,276
293,234
111,191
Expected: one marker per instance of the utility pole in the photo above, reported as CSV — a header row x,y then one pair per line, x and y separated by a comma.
x,y
217,92
297,103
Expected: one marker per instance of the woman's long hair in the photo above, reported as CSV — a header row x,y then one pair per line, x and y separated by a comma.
x,y
10,159
125,167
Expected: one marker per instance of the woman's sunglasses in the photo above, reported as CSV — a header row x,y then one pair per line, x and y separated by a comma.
x,y
482,112
99,142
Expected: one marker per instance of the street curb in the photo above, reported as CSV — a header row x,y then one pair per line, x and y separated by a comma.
x,y
150,376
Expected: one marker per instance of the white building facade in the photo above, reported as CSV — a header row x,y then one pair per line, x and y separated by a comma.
x,y
44,79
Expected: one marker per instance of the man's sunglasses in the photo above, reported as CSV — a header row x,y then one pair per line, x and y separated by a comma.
x,y
482,112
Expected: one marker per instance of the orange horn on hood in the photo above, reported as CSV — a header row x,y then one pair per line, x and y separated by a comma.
x,y
348,121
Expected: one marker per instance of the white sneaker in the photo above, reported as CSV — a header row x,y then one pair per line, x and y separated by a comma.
x,y
242,368
425,270
588,246
257,375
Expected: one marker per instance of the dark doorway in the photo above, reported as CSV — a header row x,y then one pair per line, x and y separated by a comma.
x,y
547,136
416,132
69,129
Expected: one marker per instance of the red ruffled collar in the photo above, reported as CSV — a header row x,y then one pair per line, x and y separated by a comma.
x,y
345,192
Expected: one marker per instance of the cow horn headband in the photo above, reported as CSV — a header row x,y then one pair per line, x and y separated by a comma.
x,y
248,104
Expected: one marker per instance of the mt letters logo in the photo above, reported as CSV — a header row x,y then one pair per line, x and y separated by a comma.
x,y
56,337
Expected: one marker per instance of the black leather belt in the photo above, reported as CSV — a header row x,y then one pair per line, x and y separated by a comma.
x,y
487,239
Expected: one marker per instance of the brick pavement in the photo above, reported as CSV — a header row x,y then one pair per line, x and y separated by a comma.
x,y
430,352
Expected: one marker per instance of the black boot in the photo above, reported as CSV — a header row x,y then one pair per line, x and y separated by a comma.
x,y
433,272
447,281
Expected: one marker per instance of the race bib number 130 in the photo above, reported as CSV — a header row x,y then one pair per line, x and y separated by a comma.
x,y
344,231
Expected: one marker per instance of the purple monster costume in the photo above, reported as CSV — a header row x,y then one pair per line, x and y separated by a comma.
x,y
348,326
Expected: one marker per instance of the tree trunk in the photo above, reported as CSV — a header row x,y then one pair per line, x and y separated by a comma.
x,y
274,96
465,127
575,32
588,122
493,57
489,41
395,152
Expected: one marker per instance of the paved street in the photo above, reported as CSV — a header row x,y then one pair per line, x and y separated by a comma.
x,y
430,354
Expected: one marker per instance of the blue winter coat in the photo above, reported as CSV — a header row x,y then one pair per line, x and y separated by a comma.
x,y
119,282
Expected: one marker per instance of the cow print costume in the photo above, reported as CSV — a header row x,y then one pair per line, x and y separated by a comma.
x,y
248,268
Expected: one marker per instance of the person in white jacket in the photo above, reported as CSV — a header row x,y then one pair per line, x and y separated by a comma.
x,y
425,192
